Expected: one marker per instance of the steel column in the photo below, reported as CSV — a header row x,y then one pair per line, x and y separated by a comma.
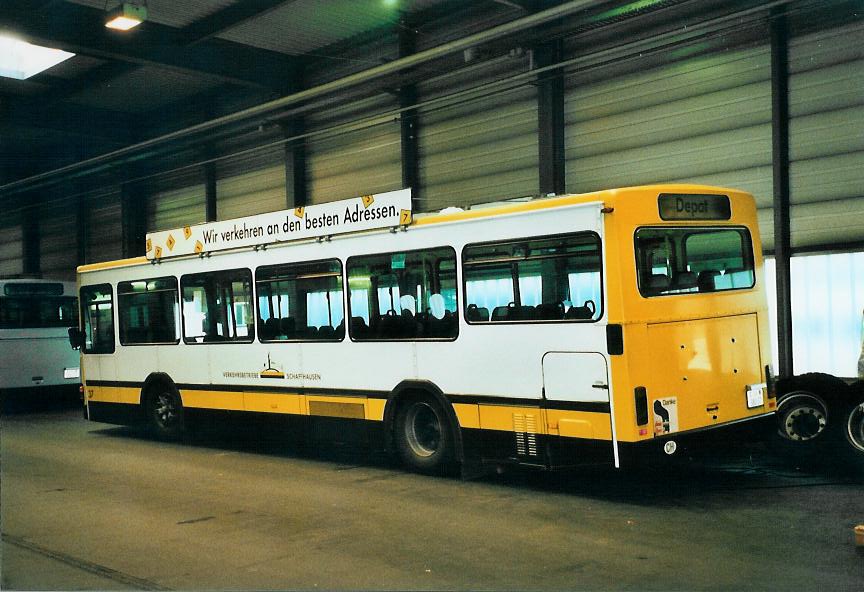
x,y
409,120
782,225
550,114
31,250
82,215
133,214
210,192
296,177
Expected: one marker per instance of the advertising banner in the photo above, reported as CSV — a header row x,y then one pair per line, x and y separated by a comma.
x,y
368,212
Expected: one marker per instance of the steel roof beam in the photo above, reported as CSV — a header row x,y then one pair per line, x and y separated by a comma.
x,y
193,34
99,124
228,18
80,29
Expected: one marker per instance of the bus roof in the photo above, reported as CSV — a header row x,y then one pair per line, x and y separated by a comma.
x,y
485,210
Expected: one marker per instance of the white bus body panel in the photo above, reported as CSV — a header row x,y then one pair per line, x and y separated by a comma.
x,y
575,376
485,360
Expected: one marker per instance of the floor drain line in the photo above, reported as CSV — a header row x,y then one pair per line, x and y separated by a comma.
x,y
94,568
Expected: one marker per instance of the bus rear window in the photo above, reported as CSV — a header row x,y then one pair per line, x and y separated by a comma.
x,y
687,260
37,312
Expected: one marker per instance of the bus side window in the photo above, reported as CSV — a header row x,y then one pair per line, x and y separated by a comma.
x,y
533,280
147,311
97,310
300,301
408,295
217,306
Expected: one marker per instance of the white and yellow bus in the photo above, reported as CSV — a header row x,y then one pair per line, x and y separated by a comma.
x,y
556,331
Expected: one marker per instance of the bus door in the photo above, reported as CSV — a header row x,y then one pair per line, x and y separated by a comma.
x,y
576,390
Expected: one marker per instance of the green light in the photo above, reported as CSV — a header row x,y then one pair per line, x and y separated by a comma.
x,y
626,9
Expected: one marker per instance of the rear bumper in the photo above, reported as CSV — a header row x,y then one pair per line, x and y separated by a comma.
x,y
710,442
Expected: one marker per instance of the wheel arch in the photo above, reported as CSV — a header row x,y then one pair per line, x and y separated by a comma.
x,y
408,388
156,378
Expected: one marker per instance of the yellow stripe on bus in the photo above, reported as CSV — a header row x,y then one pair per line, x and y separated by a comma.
x,y
113,394
505,418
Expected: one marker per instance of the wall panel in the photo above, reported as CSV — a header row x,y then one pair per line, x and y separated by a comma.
x,y
175,200
251,184
483,148
58,236
703,119
826,102
105,230
362,159
11,246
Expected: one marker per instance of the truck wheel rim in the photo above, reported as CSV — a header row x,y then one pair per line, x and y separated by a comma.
x,y
855,427
165,409
806,419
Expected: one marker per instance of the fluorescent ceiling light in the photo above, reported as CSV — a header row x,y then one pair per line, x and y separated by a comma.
x,y
126,16
21,60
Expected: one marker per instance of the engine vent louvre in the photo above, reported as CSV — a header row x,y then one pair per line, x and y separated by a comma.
x,y
525,426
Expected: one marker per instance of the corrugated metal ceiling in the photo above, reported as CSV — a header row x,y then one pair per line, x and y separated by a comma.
x,y
173,13
75,67
141,90
304,26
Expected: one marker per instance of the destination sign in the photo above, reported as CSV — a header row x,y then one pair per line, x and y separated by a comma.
x,y
381,210
680,206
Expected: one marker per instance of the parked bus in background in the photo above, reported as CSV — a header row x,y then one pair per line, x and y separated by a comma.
x,y
35,316
551,332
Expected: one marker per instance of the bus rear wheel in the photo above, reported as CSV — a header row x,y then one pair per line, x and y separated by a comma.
x,y
807,407
853,422
802,417
423,435
164,411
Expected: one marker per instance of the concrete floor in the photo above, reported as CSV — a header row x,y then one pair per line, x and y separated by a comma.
x,y
93,507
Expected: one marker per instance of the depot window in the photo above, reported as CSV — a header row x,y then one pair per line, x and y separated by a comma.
x,y
217,307
148,311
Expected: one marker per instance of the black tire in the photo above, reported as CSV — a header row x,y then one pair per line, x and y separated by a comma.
x,y
423,435
808,407
164,411
852,423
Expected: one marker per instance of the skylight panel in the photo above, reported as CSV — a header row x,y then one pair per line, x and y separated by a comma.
x,y
21,60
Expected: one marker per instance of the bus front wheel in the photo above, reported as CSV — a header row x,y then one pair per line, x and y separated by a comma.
x,y
164,410
423,436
